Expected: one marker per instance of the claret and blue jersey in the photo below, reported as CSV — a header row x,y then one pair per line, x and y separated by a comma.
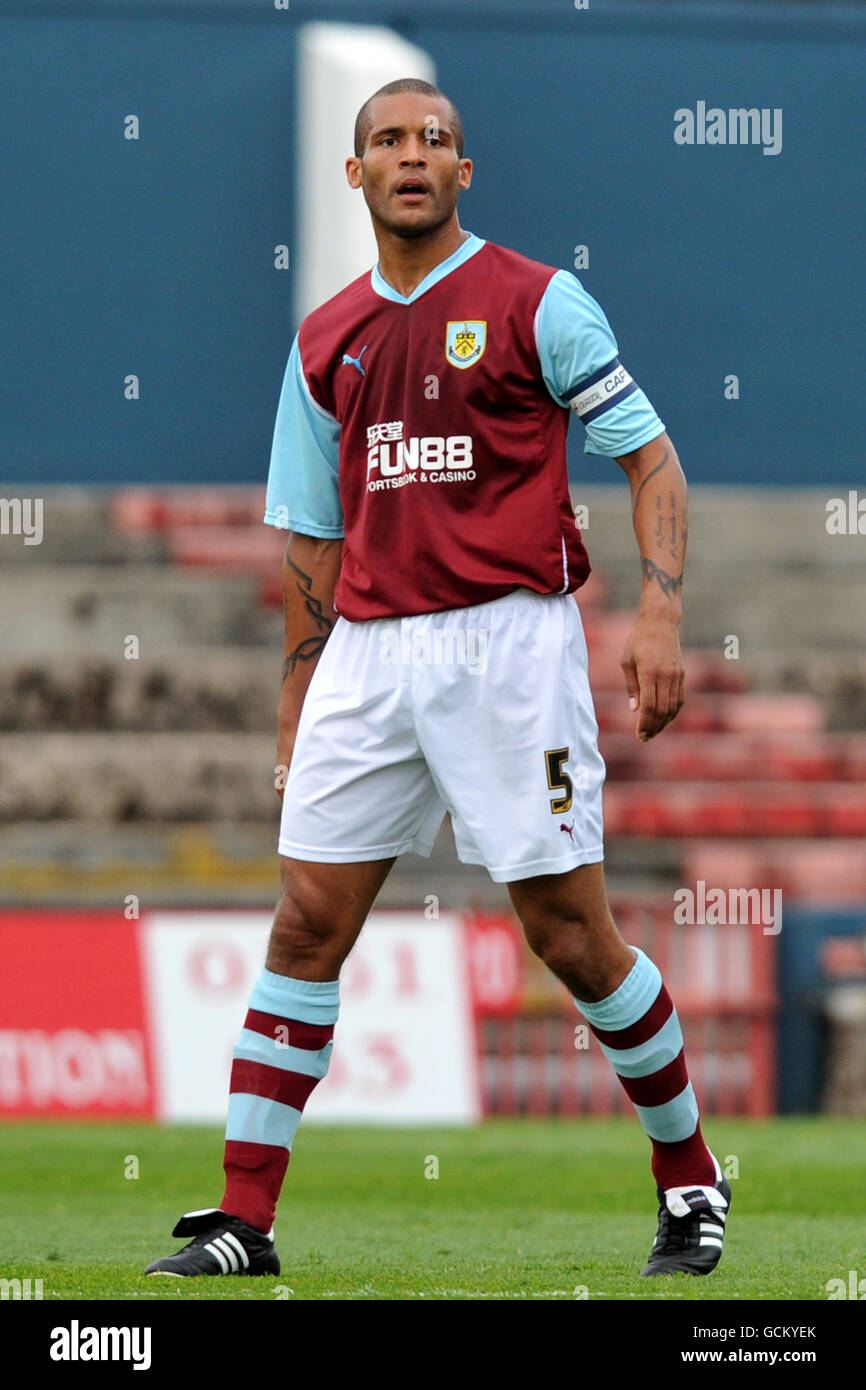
x,y
429,431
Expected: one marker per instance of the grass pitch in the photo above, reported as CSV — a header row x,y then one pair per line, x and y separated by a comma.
x,y
527,1209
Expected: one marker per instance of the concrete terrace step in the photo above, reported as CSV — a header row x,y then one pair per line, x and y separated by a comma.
x,y
236,688
754,525
105,778
77,528
113,778
192,688
208,688
45,610
733,527
761,565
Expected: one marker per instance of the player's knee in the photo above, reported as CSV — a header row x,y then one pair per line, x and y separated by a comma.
x,y
302,931
568,945
564,952
551,937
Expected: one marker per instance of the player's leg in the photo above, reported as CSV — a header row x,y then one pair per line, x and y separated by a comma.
x,y
285,1047
514,749
283,1051
568,924
358,794
319,914
621,994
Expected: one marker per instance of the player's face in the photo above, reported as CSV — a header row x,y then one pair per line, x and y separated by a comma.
x,y
409,173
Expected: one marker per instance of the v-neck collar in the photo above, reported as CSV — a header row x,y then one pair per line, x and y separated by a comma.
x,y
467,249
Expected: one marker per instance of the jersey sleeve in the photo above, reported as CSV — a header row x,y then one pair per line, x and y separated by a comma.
x,y
581,369
303,491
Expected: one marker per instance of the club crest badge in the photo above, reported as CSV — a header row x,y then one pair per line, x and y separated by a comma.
x,y
465,342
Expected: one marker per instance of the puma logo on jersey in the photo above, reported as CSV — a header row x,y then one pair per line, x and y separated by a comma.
x,y
569,830
355,361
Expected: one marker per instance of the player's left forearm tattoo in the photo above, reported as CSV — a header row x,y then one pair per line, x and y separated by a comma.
x,y
669,535
673,538
670,527
311,647
669,584
658,468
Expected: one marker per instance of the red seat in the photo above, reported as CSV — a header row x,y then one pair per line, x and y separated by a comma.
x,y
816,870
709,712
736,756
773,713
239,548
727,809
142,510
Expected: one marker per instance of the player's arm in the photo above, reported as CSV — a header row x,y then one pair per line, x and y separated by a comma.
x,y
303,497
652,660
580,364
311,568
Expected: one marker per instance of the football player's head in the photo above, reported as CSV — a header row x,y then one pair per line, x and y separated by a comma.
x,y
408,159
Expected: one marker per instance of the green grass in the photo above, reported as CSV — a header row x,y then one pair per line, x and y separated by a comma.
x,y
526,1209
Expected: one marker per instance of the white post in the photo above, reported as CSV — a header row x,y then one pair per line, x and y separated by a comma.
x,y
340,65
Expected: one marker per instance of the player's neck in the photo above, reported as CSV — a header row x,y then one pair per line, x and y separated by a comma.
x,y
403,263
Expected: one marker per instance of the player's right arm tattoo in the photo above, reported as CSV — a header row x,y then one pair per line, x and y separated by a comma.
x,y
310,648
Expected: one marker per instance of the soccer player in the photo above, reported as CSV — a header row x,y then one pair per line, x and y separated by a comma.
x,y
419,465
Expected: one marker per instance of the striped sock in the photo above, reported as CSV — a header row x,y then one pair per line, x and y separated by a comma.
x,y
283,1051
639,1033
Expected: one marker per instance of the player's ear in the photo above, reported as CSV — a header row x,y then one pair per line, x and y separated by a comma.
x,y
353,171
464,172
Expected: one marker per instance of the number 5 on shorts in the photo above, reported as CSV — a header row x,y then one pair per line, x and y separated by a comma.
x,y
558,780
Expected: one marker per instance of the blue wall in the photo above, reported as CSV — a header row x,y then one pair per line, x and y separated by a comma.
x,y
155,257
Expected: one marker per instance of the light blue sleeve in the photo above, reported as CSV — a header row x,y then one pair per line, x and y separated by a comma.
x,y
304,476
581,368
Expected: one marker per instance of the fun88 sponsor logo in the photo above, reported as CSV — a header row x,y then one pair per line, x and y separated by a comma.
x,y
393,461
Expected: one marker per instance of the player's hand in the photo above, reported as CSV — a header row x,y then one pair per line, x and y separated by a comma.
x,y
652,664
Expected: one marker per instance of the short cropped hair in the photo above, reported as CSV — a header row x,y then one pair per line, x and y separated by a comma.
x,y
364,124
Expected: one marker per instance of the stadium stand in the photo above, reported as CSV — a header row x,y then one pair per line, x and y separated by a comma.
x,y
769,747
137,750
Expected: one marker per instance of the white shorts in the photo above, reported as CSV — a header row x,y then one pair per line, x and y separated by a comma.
x,y
485,712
